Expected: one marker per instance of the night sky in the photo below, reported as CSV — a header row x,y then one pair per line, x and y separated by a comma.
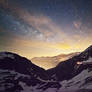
x,y
35,28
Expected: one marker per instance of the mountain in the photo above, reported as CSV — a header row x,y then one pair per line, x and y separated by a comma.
x,y
72,76
70,68
80,83
50,62
18,74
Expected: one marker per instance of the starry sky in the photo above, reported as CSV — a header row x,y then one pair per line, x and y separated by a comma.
x,y
35,28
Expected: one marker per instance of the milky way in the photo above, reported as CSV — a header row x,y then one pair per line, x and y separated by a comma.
x,y
45,27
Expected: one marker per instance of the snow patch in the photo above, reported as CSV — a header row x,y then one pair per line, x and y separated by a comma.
x,y
88,61
78,82
27,88
3,55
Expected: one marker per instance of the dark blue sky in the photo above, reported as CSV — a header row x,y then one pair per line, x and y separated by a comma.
x,y
62,10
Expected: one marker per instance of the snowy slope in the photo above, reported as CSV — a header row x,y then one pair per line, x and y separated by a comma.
x,y
18,74
80,82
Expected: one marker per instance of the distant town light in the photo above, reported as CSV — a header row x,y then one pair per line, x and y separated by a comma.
x,y
79,63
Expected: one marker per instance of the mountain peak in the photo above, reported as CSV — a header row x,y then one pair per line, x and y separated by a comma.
x,y
89,48
7,54
71,67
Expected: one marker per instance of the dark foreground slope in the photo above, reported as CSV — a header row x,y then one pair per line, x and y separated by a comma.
x,y
18,74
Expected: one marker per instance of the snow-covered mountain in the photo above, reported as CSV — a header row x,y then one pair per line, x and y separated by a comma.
x,y
69,68
18,74
72,76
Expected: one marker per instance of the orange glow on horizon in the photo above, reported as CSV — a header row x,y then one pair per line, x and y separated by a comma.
x,y
30,49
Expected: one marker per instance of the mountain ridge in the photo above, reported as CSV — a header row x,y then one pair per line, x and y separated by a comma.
x,y
18,74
